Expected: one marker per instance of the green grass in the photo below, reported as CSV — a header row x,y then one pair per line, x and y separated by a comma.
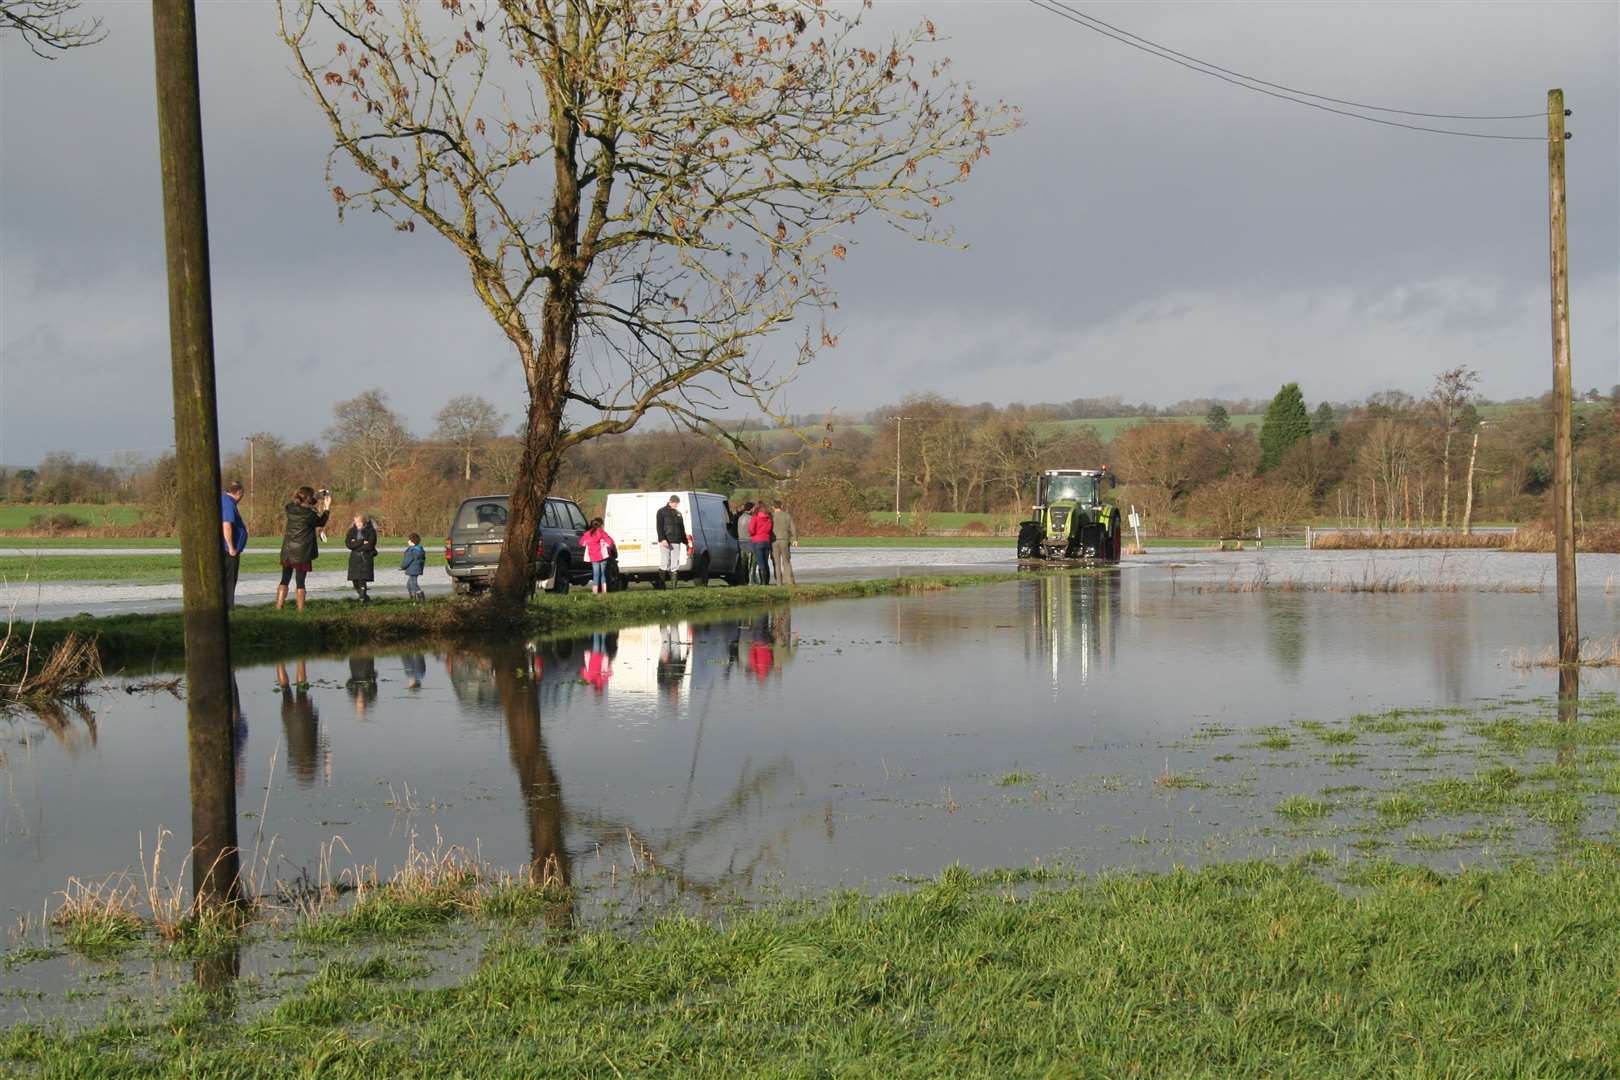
x,y
1237,970
261,632
18,515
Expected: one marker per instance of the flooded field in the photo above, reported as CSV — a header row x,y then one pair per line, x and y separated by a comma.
x,y
1121,719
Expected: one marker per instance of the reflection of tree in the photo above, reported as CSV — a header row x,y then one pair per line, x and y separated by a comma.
x,y
542,794
301,726
673,846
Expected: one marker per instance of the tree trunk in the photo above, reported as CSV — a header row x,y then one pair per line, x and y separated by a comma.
x,y
466,475
1445,497
1468,503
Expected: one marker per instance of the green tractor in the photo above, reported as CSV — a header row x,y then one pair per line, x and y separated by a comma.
x,y
1071,520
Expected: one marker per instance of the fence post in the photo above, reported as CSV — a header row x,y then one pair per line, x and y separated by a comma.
x,y
1308,538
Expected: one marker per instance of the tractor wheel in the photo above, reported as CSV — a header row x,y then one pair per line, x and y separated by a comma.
x,y
1030,535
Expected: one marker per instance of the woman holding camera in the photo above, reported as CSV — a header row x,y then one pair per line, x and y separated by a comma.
x,y
305,514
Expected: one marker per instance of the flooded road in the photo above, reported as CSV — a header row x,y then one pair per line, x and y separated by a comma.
x,y
839,743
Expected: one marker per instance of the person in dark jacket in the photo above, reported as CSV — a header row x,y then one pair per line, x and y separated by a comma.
x,y
299,549
413,563
361,541
672,540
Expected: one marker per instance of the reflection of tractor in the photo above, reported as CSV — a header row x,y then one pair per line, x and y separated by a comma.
x,y
1071,521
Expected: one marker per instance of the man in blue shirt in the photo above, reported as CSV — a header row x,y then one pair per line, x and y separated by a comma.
x,y
235,532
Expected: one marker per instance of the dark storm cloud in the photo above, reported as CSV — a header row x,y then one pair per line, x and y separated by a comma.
x,y
1151,232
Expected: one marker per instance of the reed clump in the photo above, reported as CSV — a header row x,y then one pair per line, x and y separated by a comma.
x,y
1593,539
1262,581
29,674
1595,653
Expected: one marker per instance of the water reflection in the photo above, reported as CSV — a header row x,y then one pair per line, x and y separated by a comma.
x,y
301,726
537,782
362,684
1073,629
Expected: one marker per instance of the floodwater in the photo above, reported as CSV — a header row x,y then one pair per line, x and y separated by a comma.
x,y
846,743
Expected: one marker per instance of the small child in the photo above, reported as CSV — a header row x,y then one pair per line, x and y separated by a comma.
x,y
414,562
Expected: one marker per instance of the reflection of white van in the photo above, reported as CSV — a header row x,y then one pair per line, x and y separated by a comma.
x,y
631,520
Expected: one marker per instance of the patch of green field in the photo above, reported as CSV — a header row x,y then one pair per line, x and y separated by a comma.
x,y
1244,969
18,515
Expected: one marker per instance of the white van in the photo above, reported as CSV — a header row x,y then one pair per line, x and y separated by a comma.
x,y
631,519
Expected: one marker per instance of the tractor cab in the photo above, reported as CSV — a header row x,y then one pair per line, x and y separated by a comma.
x,y
1071,519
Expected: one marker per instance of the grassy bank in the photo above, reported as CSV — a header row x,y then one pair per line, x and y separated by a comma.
x,y
1243,969
261,632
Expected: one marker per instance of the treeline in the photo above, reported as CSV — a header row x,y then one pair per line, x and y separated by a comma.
x,y
1393,460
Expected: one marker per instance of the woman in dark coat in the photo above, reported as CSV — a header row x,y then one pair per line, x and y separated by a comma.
x,y
362,543
305,514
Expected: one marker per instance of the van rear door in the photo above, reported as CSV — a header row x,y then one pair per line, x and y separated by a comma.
x,y
480,527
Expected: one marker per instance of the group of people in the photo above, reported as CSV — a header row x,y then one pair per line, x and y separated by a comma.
x,y
765,534
770,534
307,514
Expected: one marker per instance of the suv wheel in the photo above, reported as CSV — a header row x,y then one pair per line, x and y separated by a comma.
x,y
559,576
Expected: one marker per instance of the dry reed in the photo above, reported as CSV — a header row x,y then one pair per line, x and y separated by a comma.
x,y
1594,653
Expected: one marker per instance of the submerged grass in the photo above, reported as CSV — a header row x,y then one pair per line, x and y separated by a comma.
x,y
1241,969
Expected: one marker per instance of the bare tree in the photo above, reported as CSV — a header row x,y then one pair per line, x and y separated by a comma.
x,y
369,432
642,192
1452,392
467,422
49,27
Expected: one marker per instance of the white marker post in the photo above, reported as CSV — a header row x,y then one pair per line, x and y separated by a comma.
x,y
1136,527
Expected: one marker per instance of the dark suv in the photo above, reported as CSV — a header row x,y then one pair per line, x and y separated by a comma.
x,y
477,534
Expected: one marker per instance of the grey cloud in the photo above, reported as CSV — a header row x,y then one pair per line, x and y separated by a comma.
x,y
1150,233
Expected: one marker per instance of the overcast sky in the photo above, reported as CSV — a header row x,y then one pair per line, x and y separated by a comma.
x,y
1151,233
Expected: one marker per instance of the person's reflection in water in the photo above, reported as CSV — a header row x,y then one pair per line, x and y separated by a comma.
x,y
301,725
761,648
597,667
542,795
674,646
415,670
362,684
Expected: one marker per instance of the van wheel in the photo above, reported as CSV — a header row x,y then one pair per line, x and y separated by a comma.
x,y
559,577
739,572
701,574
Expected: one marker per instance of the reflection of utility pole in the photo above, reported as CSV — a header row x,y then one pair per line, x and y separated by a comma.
x,y
897,420
1569,638
214,862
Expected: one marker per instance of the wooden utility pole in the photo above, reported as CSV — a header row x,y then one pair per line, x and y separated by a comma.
x,y
214,861
1569,638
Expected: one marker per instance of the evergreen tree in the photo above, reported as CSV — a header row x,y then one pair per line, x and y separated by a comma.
x,y
1286,423
1217,419
1323,420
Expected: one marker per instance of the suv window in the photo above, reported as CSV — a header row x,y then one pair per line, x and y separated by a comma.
x,y
481,514
575,515
548,517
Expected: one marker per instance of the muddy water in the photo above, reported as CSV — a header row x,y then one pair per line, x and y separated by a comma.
x,y
841,743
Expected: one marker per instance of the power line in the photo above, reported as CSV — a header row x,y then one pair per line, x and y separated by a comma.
x,y
1214,72
1290,89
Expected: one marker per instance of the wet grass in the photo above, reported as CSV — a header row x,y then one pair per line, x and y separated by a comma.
x,y
1239,969
263,633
